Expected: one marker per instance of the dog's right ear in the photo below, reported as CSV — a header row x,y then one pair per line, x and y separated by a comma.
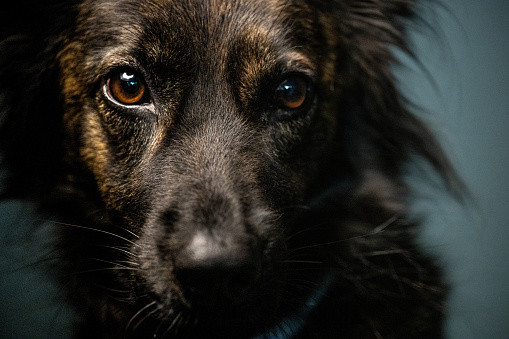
x,y
30,113
36,18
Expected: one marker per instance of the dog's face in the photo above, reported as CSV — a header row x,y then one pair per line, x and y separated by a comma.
x,y
163,98
222,168
204,124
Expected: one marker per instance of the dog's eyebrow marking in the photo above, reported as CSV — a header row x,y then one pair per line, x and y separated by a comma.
x,y
297,60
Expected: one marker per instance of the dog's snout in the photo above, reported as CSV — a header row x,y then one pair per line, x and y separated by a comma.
x,y
218,271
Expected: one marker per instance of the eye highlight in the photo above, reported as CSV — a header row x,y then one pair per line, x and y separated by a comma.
x,y
127,88
292,93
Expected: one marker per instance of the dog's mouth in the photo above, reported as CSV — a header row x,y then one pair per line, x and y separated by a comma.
x,y
210,283
251,316
225,290
262,313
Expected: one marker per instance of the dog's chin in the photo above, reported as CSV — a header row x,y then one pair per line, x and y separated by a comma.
x,y
170,310
246,318
263,315
245,321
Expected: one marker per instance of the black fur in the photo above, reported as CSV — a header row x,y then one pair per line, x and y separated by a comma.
x,y
211,209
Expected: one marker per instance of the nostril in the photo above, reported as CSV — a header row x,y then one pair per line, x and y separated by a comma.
x,y
169,217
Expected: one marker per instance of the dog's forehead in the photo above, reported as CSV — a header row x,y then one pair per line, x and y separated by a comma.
x,y
167,30
199,22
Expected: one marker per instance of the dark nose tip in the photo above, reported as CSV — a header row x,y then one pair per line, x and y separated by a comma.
x,y
217,271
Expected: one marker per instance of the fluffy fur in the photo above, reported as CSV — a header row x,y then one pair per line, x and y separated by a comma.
x,y
222,204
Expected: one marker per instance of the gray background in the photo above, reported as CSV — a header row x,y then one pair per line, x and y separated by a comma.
x,y
467,102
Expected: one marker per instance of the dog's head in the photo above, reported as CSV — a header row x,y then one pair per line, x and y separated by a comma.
x,y
204,125
210,131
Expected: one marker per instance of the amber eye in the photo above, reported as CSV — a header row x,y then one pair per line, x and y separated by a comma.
x,y
127,88
292,93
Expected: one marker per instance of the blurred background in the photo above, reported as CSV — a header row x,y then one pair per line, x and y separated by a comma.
x,y
462,89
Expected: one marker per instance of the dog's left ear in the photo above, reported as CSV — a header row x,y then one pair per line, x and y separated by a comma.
x,y
374,108
373,28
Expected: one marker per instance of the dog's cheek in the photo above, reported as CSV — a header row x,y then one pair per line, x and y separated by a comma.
x,y
115,153
304,152
103,144
156,272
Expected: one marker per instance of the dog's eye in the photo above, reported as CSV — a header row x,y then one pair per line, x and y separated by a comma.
x,y
127,88
292,93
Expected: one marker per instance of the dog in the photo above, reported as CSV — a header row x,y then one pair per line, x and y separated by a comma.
x,y
222,168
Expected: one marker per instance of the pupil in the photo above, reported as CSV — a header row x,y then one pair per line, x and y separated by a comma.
x,y
292,92
130,83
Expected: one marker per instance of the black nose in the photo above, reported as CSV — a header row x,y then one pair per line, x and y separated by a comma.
x,y
216,271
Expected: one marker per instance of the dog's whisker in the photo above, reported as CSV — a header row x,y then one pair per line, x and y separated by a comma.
x,y
382,252
123,229
305,270
92,214
175,324
292,251
114,290
385,224
128,231
303,283
303,261
128,263
102,269
116,248
97,230
301,207
377,230
34,263
114,263
137,314
308,229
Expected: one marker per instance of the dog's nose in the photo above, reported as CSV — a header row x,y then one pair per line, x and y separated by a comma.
x,y
218,271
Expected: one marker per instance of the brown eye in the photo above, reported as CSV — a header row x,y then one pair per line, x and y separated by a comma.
x,y
127,88
292,93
